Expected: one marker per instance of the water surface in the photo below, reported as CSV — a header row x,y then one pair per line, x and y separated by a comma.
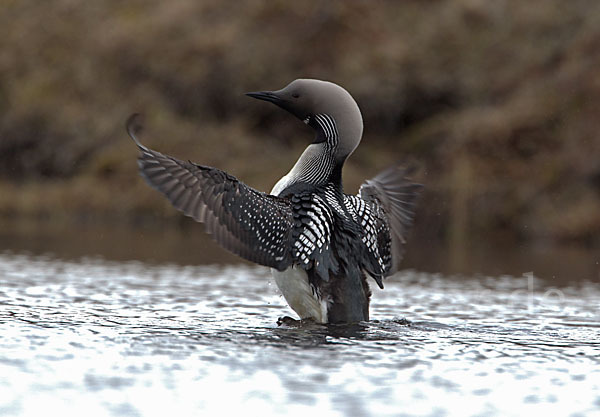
x,y
94,337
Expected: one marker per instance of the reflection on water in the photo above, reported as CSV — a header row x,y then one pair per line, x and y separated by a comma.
x,y
93,337
189,245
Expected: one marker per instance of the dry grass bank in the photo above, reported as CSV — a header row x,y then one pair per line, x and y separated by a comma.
x,y
499,101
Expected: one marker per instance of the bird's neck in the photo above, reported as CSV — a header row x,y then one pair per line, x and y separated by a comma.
x,y
317,166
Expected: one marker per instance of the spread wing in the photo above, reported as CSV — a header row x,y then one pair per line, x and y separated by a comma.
x,y
385,207
249,223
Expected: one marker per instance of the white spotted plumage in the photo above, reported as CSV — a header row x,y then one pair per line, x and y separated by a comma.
x,y
316,234
372,221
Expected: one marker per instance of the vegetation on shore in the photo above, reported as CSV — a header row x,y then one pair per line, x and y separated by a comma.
x,y
498,102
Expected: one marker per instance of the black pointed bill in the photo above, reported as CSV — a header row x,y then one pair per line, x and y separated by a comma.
x,y
266,96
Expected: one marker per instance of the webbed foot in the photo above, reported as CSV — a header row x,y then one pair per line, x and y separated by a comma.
x,y
288,321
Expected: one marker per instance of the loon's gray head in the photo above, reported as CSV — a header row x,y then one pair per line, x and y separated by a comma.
x,y
326,107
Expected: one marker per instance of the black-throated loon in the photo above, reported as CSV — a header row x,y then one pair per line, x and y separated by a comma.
x,y
320,242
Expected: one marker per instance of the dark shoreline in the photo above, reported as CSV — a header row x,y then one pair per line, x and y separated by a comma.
x,y
162,242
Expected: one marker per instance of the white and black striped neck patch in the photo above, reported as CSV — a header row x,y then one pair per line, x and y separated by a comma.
x,y
327,125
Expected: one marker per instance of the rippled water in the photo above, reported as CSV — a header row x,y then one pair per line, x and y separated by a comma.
x,y
91,337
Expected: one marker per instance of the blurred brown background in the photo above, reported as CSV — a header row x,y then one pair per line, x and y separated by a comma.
x,y
497,101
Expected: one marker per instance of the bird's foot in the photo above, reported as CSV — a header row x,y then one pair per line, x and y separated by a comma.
x,y
288,321
403,321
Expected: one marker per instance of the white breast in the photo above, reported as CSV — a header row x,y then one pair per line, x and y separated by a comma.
x,y
293,284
